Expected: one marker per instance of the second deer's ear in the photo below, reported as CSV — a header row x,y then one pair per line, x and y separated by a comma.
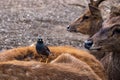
x,y
94,10
114,12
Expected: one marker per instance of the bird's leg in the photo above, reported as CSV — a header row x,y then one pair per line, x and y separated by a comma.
x,y
41,59
46,60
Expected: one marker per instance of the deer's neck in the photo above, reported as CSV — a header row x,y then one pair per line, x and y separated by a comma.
x,y
114,68
95,26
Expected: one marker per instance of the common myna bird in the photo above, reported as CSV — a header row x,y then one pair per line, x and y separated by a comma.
x,y
42,49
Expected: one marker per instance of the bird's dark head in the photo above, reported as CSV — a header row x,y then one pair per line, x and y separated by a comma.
x,y
40,40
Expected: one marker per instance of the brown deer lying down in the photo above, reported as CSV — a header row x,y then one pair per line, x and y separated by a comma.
x,y
90,22
108,39
65,67
29,53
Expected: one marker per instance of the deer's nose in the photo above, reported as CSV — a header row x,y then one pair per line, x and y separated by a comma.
x,y
68,28
71,29
88,44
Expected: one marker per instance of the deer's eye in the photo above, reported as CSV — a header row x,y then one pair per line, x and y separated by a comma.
x,y
85,17
116,31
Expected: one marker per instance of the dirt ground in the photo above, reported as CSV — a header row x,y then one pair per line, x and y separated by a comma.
x,y
21,21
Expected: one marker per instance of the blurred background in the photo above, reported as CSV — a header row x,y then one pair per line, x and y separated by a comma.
x,y
21,21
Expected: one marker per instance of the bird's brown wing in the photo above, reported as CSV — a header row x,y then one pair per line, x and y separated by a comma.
x,y
46,48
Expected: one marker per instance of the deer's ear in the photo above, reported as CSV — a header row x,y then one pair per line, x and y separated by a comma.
x,y
94,10
114,11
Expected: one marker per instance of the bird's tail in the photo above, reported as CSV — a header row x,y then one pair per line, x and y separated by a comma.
x,y
51,54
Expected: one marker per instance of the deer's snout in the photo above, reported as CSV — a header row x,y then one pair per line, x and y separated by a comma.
x,y
88,44
71,29
68,28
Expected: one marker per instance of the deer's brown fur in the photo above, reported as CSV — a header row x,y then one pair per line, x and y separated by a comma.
x,y
73,69
29,53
